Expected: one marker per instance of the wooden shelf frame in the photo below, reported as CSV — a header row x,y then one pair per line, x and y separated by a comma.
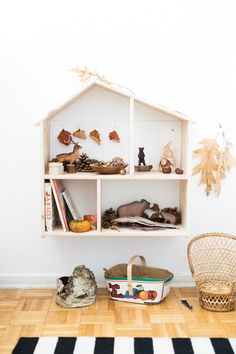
x,y
131,175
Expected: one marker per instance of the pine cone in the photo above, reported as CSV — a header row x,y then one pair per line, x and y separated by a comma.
x,y
83,164
107,218
117,161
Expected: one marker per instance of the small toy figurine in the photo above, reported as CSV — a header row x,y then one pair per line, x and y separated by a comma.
x,y
141,157
70,157
167,162
142,167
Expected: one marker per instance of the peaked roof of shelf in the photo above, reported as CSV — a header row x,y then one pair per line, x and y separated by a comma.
x,y
112,88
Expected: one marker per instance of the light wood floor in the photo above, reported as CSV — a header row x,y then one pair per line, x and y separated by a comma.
x,y
34,313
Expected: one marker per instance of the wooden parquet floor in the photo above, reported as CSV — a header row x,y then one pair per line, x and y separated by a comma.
x,y
34,313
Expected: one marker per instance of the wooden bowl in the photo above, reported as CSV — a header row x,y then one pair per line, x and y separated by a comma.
x,y
108,170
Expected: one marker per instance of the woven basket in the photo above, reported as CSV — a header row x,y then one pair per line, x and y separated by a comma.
x,y
138,283
212,260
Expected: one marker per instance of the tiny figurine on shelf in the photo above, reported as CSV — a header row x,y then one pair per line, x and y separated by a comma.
x,y
133,209
179,171
108,217
152,212
84,163
79,225
77,290
141,157
79,133
114,136
170,215
142,167
93,221
70,157
70,168
167,162
55,168
65,137
94,134
115,166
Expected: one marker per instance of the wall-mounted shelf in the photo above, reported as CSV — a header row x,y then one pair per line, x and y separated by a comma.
x,y
135,176
125,232
139,123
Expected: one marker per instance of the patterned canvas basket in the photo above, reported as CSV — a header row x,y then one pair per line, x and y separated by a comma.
x,y
138,283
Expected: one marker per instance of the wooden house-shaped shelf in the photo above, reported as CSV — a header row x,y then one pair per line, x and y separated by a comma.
x,y
139,124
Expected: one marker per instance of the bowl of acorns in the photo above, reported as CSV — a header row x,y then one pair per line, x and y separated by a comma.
x,y
115,166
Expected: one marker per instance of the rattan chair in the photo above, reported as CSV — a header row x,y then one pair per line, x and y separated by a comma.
x,y
212,260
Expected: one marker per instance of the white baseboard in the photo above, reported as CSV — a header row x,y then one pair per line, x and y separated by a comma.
x,y
48,281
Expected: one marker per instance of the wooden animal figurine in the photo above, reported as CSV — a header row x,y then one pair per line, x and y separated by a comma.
x,y
168,153
141,157
70,157
133,209
167,162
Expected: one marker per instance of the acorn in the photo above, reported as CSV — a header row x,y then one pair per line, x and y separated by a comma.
x,y
122,172
179,171
166,170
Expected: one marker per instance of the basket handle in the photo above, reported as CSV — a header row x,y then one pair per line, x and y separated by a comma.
x,y
129,271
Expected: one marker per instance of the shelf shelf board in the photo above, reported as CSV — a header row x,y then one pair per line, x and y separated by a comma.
x,y
124,232
137,175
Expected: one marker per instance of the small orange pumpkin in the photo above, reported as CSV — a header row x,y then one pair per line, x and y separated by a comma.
x,y
79,226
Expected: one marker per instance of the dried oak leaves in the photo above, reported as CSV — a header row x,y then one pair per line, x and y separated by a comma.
x,y
215,162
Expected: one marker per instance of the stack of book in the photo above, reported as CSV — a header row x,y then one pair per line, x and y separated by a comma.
x,y
59,207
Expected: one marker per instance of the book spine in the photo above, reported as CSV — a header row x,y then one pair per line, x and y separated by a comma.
x,y
59,208
48,207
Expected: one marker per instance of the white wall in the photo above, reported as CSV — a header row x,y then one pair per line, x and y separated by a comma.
x,y
179,53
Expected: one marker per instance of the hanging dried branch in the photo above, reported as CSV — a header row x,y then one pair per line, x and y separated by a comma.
x,y
85,74
215,162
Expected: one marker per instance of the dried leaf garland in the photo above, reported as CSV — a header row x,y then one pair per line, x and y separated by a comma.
x,y
215,162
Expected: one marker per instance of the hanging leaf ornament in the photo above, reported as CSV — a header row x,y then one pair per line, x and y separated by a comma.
x,y
94,134
79,133
216,160
114,136
65,137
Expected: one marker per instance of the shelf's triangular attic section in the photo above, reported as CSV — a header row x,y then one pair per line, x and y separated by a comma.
x,y
110,88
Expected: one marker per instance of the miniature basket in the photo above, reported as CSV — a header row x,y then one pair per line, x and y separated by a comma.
x,y
212,260
138,283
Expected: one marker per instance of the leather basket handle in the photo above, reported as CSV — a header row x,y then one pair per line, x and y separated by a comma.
x,y
129,271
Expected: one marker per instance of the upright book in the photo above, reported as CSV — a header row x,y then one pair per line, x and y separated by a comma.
x,y
69,202
51,215
57,188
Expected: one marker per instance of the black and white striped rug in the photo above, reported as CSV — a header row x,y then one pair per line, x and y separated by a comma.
x,y
124,345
